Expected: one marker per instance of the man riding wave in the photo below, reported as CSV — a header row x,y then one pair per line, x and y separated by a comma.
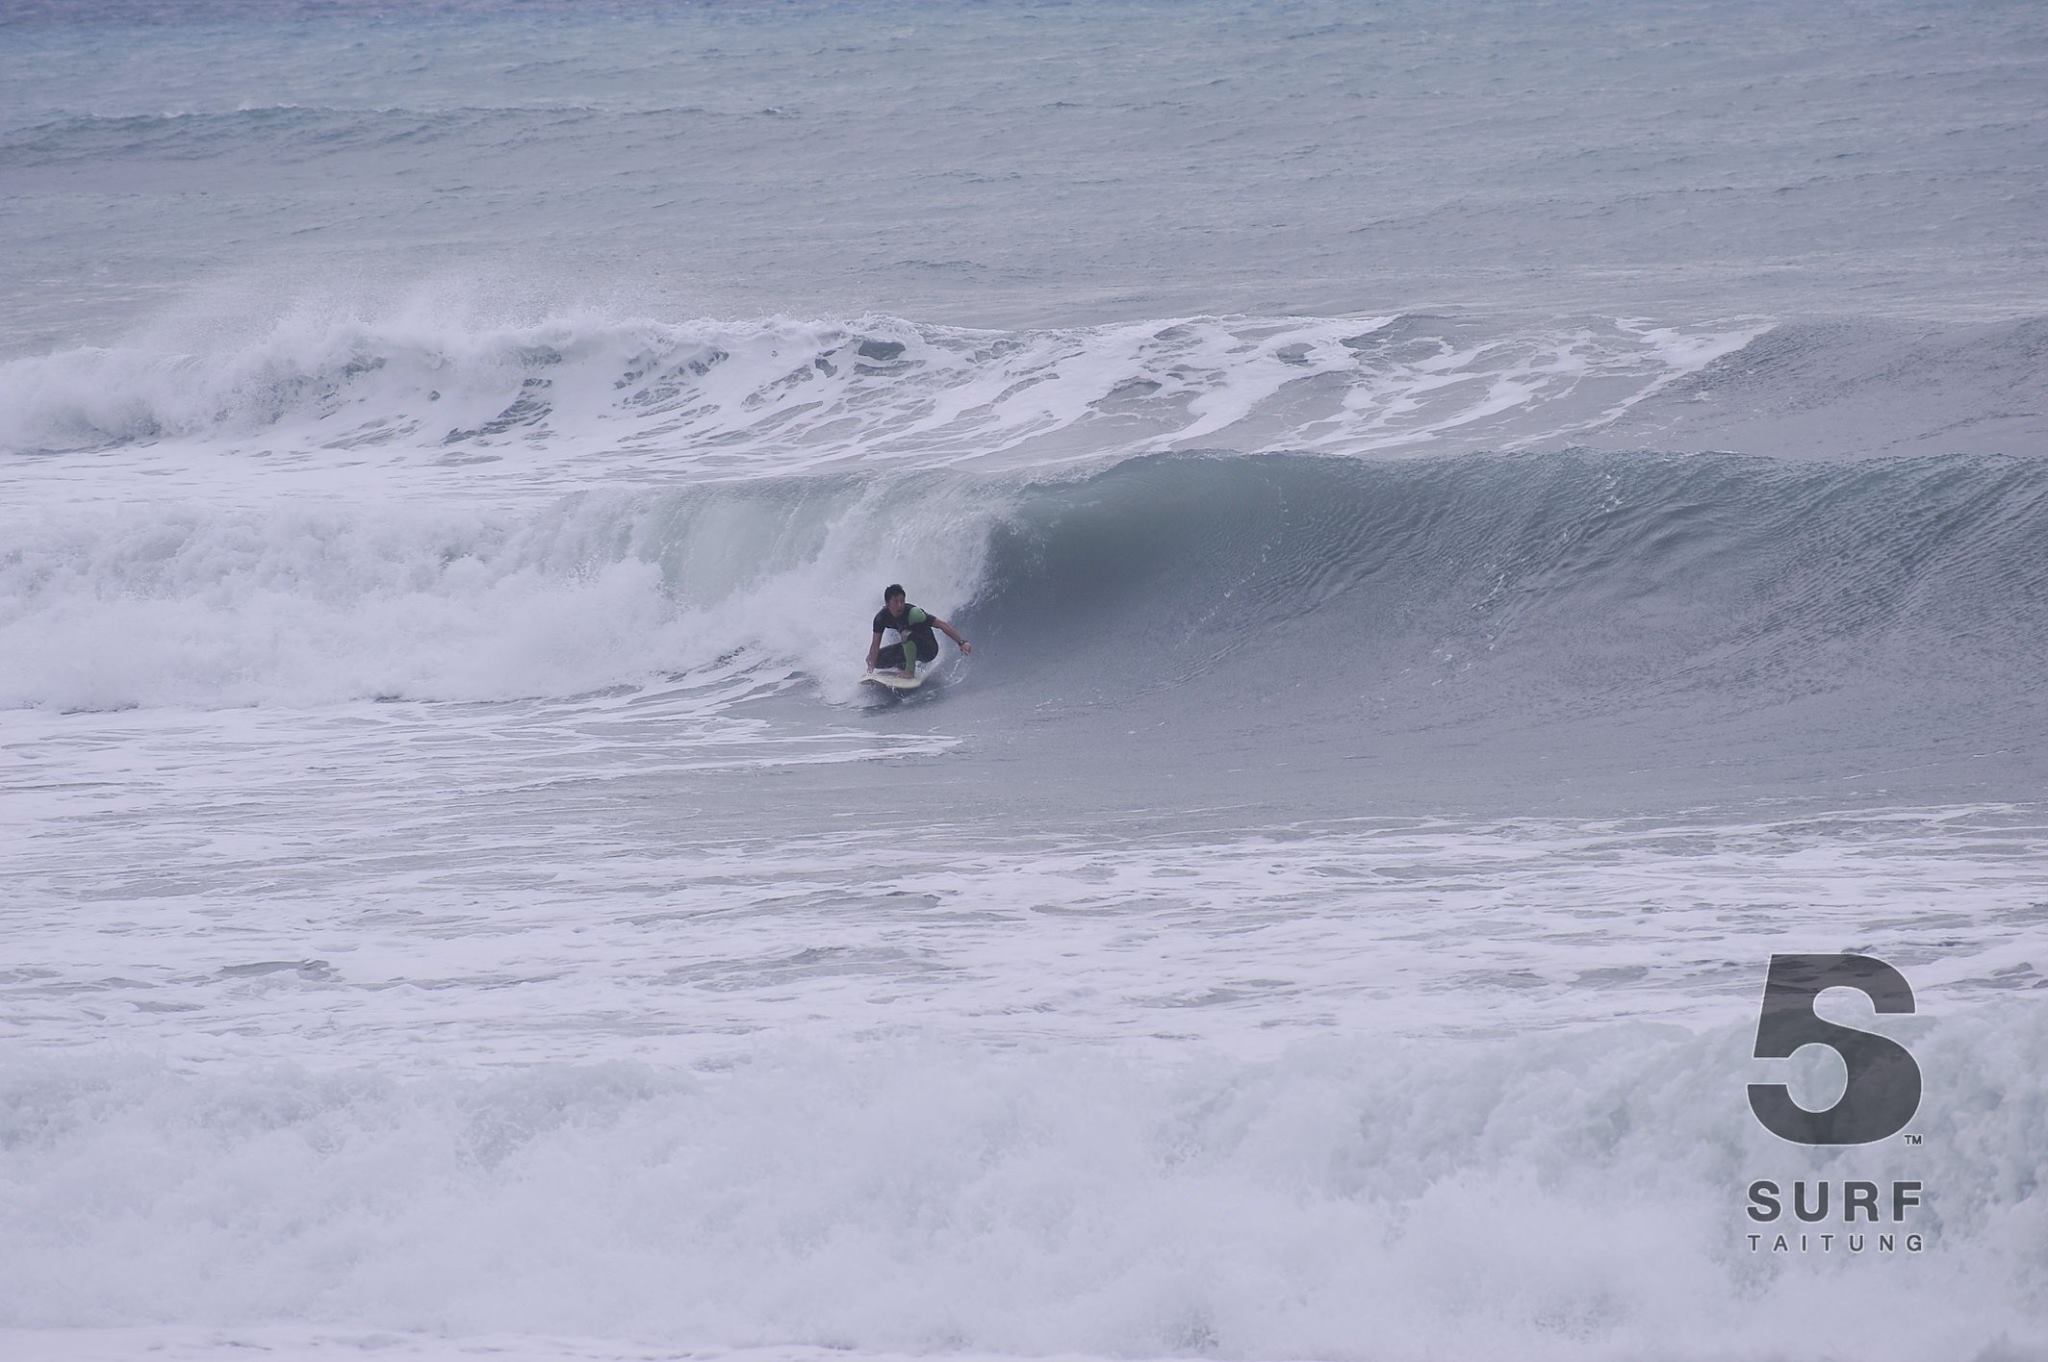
x,y
913,627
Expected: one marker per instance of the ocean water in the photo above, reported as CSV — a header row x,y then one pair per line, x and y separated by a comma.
x,y
1480,524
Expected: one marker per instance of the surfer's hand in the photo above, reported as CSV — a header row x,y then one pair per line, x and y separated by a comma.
x,y
965,646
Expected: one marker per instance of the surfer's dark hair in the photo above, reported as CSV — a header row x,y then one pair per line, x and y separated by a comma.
x,y
894,590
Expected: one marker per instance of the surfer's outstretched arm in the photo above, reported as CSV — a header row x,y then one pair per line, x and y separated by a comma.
x,y
875,649
950,632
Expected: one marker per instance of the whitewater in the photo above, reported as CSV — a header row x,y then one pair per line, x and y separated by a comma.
x,y
1479,526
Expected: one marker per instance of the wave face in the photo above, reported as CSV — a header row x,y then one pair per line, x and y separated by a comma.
x,y
1624,575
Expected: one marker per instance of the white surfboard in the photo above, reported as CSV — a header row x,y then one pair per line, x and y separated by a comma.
x,y
895,681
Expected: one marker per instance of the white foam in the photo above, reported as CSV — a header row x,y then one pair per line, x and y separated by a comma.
x,y
312,601
414,384
1357,1199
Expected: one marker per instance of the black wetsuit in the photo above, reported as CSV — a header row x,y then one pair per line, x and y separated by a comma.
x,y
915,627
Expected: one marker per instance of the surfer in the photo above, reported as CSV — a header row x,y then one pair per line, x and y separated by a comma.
x,y
913,628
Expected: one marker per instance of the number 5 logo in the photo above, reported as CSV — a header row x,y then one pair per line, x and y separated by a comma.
x,y
1883,1090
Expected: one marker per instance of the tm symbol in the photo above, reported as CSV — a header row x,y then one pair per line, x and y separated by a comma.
x,y
1915,1140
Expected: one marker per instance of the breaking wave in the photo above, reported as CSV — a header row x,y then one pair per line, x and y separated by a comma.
x,y
779,396
1575,578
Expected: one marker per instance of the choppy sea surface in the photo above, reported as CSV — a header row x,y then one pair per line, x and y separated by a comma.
x,y
1479,525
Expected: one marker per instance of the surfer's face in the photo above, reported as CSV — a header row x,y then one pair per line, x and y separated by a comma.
x,y
896,604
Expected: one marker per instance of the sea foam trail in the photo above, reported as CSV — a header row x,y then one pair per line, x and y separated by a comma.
x,y
1567,1195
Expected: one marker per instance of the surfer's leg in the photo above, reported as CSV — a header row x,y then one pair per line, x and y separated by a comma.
x,y
890,659
909,649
